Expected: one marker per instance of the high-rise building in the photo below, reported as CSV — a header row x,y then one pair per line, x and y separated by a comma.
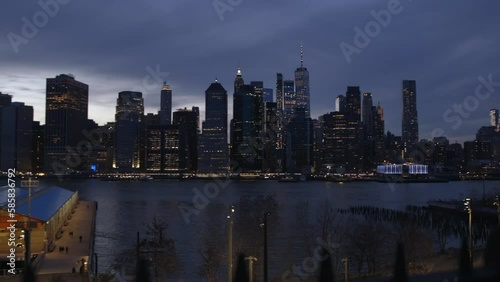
x,y
342,140
289,101
410,119
268,95
17,137
5,100
258,113
379,134
353,101
279,93
246,143
238,81
213,155
38,146
302,91
368,114
281,121
66,113
379,122
166,105
494,117
270,138
340,103
317,144
299,137
129,141
188,121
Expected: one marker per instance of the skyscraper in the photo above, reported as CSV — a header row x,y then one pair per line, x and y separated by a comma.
x,y
238,81
246,143
299,137
16,140
188,120
353,101
289,101
368,114
66,112
270,138
410,119
494,117
280,114
340,103
341,148
5,100
213,151
279,94
302,86
129,139
268,95
166,105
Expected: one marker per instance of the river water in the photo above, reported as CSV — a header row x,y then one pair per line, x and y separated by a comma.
x,y
123,208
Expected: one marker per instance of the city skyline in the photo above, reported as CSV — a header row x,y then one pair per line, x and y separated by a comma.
x,y
446,65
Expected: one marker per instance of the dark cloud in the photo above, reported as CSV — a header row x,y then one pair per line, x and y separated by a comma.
x,y
444,45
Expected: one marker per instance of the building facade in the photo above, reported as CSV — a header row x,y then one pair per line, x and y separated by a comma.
x,y
410,119
213,155
66,113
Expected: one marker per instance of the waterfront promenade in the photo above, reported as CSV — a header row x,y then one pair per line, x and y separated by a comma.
x,y
61,263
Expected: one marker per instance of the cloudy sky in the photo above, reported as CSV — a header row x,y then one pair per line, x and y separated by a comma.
x,y
118,45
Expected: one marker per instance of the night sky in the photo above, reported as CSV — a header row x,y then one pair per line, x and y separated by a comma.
x,y
114,45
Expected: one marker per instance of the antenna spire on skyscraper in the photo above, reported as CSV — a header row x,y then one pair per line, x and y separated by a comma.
x,y
301,55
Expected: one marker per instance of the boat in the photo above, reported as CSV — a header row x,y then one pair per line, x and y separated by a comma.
x,y
146,178
292,178
111,178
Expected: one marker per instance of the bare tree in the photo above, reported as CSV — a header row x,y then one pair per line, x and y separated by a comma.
x,y
157,248
418,244
213,252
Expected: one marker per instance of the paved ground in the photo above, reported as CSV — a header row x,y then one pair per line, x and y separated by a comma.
x,y
81,225
60,264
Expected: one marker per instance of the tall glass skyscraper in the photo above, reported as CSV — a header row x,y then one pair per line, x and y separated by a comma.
x,y
302,86
66,113
129,131
213,150
166,105
410,118
353,102
246,143
16,140
368,114
289,101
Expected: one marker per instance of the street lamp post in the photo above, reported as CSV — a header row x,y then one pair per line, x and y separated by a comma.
x,y
468,208
346,270
30,183
497,203
266,214
230,245
250,267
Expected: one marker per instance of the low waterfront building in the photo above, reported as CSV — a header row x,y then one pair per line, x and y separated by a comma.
x,y
50,209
